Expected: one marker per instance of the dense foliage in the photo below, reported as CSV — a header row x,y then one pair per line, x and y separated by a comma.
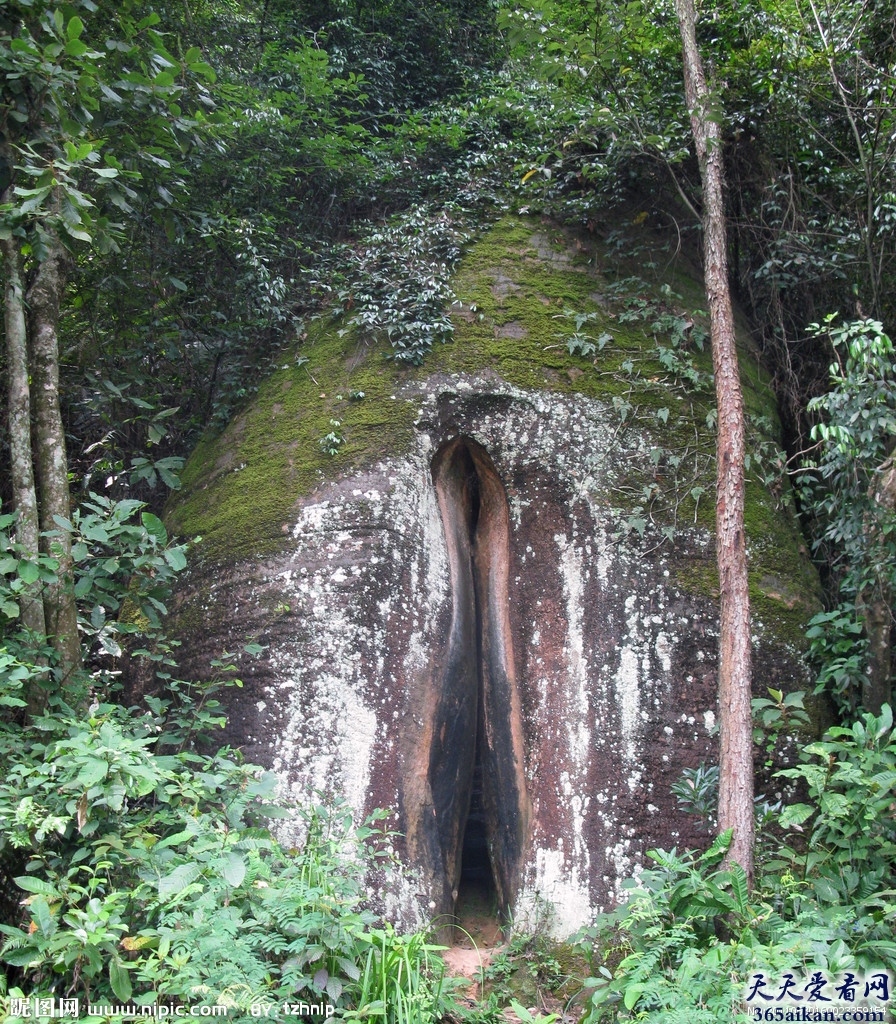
x,y
691,937
137,866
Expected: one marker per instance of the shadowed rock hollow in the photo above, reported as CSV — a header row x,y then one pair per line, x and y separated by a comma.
x,y
494,612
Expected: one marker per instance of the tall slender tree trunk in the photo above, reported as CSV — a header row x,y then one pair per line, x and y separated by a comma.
x,y
24,495
875,602
44,297
735,692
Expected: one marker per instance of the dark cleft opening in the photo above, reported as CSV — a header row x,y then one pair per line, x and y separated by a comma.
x,y
475,762
470,496
477,879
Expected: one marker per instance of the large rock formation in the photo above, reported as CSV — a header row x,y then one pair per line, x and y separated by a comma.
x,y
494,611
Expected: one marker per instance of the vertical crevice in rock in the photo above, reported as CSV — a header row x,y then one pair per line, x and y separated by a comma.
x,y
452,753
476,749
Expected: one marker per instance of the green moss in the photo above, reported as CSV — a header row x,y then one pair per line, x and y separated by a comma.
x,y
241,488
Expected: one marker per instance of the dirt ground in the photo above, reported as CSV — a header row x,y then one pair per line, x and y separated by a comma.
x,y
478,938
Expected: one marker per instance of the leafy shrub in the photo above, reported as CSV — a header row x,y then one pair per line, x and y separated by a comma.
x,y
146,866
686,942
849,827
856,528
155,873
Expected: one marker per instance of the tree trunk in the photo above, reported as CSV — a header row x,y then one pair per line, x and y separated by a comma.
x,y
24,495
44,298
735,692
875,601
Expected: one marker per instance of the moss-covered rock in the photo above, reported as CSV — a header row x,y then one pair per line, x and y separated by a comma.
x,y
241,487
511,542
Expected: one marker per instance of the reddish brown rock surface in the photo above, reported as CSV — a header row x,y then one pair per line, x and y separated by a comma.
x,y
461,625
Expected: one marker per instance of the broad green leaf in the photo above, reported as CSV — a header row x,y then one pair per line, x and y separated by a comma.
x,y
40,911
75,48
827,890
36,885
176,559
795,814
94,771
740,888
96,531
719,845
154,527
79,233
120,980
632,995
23,957
233,869
28,572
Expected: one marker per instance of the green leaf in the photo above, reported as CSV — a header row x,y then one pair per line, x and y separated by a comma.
x,y
36,885
176,559
23,957
719,845
632,995
795,814
233,869
28,572
827,891
75,28
40,911
94,771
154,527
178,880
79,233
200,67
120,980
740,888
96,531
75,48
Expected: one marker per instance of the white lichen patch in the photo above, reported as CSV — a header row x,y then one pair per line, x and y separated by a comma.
x,y
573,575
628,694
557,900
663,648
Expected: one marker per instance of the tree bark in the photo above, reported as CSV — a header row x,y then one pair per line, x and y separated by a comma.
x,y
44,297
875,601
735,686
24,495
